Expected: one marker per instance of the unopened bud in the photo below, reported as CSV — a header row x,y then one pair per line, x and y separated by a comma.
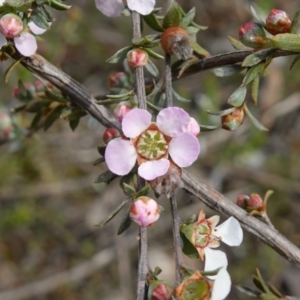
x,y
176,41
144,211
121,110
137,58
117,80
242,201
233,120
110,134
252,34
255,201
278,21
11,25
162,292
6,126
193,127
26,91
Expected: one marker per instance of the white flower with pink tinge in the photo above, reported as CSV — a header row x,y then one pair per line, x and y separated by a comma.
x,y
114,8
153,144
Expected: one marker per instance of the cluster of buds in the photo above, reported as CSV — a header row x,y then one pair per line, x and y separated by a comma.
x,y
254,204
27,91
252,34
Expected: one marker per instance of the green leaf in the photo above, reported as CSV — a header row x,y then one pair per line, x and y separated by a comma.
x,y
257,57
40,2
10,68
287,41
142,192
157,89
129,190
208,127
248,291
173,17
188,18
149,41
39,20
106,177
125,223
56,96
113,214
186,64
101,150
119,96
98,161
222,112
295,60
237,45
198,49
178,97
19,5
188,249
255,122
59,5
237,98
54,115
74,123
152,53
35,121
36,105
254,90
227,70
192,32
295,22
252,73
256,16
152,21
119,56
152,69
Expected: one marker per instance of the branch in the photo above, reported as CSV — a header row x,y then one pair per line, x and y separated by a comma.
x,y
208,195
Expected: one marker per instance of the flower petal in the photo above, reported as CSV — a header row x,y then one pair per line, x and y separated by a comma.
x,y
36,29
214,259
230,232
143,7
120,156
135,122
154,168
184,149
110,8
3,40
173,121
26,43
222,285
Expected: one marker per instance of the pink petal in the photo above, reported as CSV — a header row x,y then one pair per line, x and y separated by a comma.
x,y
26,43
143,7
3,40
222,285
110,8
36,29
184,149
230,232
173,121
214,259
120,156
155,168
135,122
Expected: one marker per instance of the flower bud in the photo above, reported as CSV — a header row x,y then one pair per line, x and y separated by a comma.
x,y
193,127
233,120
110,134
278,21
11,25
242,201
25,91
176,41
255,202
144,211
137,58
121,110
6,126
252,34
118,80
162,292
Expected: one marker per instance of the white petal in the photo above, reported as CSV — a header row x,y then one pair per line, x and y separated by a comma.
x,y
135,122
221,286
143,7
3,40
26,43
36,29
155,168
214,259
110,8
230,232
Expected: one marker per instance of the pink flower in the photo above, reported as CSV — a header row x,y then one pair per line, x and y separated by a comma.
x,y
121,110
193,127
144,211
114,8
152,144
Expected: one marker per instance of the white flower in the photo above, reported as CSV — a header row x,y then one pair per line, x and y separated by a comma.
x,y
222,285
114,8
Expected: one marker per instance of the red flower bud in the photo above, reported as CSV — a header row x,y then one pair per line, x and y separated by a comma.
x,y
110,134
117,80
252,34
121,110
241,201
137,58
278,21
162,292
255,202
11,25
6,126
176,41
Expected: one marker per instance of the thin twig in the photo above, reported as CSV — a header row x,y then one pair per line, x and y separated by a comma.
x,y
176,240
168,81
143,263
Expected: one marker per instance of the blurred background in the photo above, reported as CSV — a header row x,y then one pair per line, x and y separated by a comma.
x,y
49,204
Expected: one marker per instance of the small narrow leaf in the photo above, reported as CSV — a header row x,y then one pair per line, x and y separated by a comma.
x,y
119,96
227,70
287,41
255,122
53,115
152,21
98,161
142,192
257,57
172,17
256,16
198,49
119,56
188,18
222,112
253,73
295,60
178,97
73,123
186,64
11,67
106,177
113,214
188,249
129,190
39,19
248,291
254,90
152,53
237,98
151,68
208,127
295,22
125,223
237,44
35,121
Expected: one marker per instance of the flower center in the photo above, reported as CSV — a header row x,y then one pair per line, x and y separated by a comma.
x,y
152,145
